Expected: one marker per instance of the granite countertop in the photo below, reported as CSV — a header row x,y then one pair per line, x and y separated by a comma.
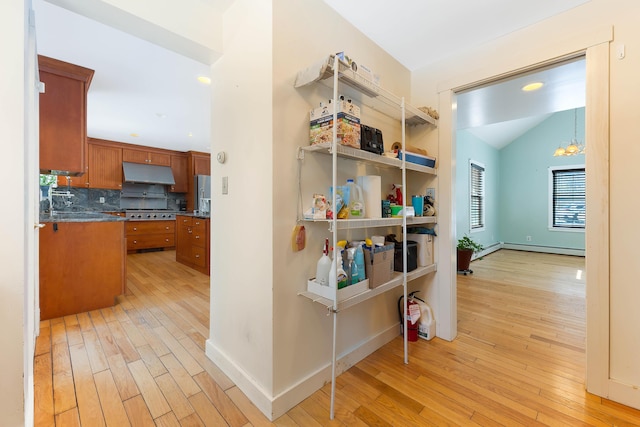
x,y
88,216
194,215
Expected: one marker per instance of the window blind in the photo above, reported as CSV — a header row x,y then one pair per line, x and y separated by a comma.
x,y
569,198
476,205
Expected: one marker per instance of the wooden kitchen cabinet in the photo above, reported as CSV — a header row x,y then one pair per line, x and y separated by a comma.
x,y
192,242
179,167
148,156
105,165
82,267
63,117
151,235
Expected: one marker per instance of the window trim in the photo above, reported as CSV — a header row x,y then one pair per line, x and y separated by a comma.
x,y
483,211
551,227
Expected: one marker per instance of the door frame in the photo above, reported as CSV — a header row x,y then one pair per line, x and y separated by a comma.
x,y
595,48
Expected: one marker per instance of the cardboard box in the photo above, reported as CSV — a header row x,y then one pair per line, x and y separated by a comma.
x,y
327,110
418,159
425,248
321,130
378,264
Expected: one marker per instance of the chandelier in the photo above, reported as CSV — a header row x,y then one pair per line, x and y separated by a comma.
x,y
574,147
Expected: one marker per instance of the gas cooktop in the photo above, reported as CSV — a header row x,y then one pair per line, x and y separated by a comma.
x,y
151,215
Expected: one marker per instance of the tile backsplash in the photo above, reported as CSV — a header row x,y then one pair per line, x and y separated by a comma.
x,y
88,199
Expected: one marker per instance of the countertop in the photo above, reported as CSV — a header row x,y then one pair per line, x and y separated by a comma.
x,y
79,217
195,215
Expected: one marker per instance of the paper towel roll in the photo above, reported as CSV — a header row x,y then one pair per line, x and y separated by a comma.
x,y
372,191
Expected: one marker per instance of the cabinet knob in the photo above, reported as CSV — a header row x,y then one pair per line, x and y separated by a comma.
x,y
189,231
197,237
166,228
197,222
166,240
135,241
197,256
135,228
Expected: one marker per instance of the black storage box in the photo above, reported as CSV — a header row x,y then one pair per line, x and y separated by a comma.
x,y
412,256
371,139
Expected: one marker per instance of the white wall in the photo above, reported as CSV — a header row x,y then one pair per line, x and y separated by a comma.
x,y
13,21
243,244
573,31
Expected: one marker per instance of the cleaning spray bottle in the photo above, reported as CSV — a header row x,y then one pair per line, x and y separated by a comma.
x,y
324,266
337,275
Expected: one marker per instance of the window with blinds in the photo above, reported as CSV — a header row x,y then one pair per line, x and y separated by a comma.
x,y
568,198
476,203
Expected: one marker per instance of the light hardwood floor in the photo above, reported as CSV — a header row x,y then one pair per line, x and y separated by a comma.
x,y
518,359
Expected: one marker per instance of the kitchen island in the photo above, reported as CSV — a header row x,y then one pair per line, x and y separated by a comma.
x,y
192,241
82,262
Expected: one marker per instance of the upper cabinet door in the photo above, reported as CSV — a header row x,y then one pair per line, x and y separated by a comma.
x,y
179,168
147,156
63,117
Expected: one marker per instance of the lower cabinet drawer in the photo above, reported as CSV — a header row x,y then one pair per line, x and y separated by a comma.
x,y
199,256
149,241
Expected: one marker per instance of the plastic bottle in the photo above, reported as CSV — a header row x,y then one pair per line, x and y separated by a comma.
x,y
337,275
360,261
324,266
352,267
356,200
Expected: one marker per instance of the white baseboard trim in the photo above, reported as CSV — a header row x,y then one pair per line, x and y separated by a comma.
x,y
488,250
544,249
275,406
624,393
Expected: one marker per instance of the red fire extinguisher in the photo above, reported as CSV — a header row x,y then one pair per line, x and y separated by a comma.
x,y
412,307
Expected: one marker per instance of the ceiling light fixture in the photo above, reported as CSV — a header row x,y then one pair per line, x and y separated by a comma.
x,y
532,86
204,80
574,147
135,135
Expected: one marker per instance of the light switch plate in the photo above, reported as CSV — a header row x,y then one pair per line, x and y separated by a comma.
x,y
225,185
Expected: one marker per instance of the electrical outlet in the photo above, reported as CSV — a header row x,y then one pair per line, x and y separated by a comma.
x,y
528,238
101,199
431,192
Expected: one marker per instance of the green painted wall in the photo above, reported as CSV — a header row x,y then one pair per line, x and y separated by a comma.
x,y
469,147
517,184
524,187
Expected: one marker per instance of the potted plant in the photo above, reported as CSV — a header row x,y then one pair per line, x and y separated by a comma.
x,y
466,248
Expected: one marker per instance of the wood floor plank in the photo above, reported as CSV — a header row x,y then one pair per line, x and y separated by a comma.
x,y
138,412
43,391
186,360
127,349
153,362
206,411
43,343
167,420
176,398
64,396
153,397
69,418
230,412
122,376
89,406
112,407
192,420
180,375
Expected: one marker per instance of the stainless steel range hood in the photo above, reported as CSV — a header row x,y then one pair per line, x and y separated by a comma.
x,y
147,174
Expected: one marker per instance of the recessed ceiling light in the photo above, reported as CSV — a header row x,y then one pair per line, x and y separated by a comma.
x,y
135,135
532,86
190,134
204,80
